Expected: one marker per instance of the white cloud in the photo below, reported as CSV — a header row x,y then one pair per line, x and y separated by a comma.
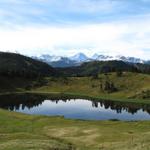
x,y
120,38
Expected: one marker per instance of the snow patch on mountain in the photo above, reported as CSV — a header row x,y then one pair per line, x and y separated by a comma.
x,y
80,57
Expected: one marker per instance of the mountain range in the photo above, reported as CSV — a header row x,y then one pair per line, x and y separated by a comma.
x,y
79,58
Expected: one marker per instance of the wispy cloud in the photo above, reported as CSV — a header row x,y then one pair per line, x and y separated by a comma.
x,y
25,12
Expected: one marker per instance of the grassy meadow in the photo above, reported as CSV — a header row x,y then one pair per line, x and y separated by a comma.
x,y
130,86
27,132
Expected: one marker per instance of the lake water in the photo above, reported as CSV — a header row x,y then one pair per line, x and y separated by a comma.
x,y
75,108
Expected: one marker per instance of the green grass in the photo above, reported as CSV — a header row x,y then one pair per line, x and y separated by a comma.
x,y
28,132
132,87
129,86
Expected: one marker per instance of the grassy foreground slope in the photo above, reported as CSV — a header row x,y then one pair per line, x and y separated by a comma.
x,y
129,85
25,132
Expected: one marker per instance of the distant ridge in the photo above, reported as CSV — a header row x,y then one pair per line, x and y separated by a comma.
x,y
12,64
95,67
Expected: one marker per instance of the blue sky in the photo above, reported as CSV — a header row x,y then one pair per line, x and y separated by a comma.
x,y
65,27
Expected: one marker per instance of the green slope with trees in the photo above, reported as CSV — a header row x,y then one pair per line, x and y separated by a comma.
x,y
16,65
96,67
21,72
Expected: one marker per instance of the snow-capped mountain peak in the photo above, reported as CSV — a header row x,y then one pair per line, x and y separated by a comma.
x,y
129,59
101,57
80,57
49,58
95,56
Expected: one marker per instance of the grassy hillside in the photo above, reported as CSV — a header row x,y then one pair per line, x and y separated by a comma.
x,y
25,132
129,85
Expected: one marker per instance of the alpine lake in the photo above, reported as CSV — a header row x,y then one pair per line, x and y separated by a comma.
x,y
74,108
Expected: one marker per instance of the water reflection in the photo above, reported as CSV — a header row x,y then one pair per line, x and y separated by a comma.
x,y
119,107
21,102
